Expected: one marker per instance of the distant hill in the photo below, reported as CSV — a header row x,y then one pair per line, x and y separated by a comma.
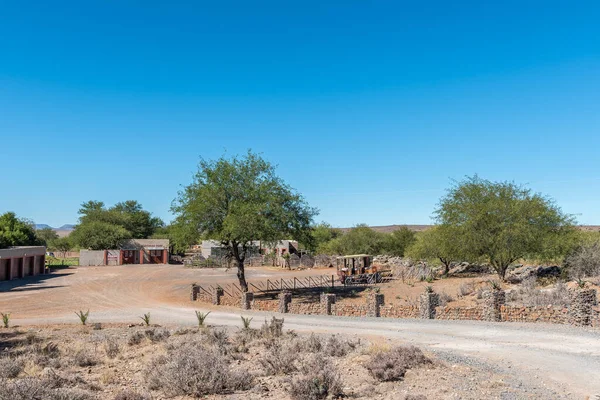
x,y
66,227
420,228
63,231
42,226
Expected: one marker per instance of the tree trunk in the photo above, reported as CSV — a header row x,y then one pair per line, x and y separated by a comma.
x,y
501,270
241,276
240,258
446,268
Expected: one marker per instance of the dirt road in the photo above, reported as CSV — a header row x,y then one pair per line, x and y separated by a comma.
x,y
564,359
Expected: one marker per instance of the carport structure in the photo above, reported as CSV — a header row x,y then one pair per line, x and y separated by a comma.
x,y
22,261
144,251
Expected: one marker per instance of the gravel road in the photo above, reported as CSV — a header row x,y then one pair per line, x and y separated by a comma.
x,y
554,359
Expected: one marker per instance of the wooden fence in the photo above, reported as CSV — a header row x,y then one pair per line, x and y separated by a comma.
x,y
271,287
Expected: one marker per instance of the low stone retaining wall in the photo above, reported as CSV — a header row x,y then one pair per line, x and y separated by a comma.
x,y
585,312
459,313
554,315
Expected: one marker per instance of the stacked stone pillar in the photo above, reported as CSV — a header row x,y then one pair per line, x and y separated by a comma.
x,y
493,300
195,290
247,299
327,300
581,310
285,298
428,301
374,303
217,294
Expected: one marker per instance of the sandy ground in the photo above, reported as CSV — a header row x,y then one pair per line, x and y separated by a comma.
x,y
563,359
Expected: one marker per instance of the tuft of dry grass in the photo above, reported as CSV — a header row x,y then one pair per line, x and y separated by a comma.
x,y
278,359
392,365
111,348
318,379
129,394
196,371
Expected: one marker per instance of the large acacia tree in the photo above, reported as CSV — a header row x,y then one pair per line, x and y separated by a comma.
x,y
502,222
236,201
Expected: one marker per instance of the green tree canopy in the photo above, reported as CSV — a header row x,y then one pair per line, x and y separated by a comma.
x,y
99,235
359,240
437,243
46,235
236,201
396,243
128,214
502,222
322,234
16,231
125,220
61,245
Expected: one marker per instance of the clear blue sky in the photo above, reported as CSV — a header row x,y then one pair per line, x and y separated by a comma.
x,y
369,108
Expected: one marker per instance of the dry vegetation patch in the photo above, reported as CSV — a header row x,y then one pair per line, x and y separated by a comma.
x,y
130,363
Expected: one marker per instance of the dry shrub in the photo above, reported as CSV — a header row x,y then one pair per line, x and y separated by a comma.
x,y
466,289
157,335
34,388
527,294
415,397
84,358
392,365
45,354
444,299
584,262
111,347
217,338
308,344
336,347
135,338
195,371
243,339
129,394
274,329
318,380
278,359
10,367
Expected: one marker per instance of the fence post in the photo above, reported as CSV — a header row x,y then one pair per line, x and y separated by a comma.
x,y
327,300
217,294
428,301
194,292
285,298
493,300
581,308
374,303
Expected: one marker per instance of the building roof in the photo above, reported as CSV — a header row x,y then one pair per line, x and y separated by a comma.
x,y
134,244
354,256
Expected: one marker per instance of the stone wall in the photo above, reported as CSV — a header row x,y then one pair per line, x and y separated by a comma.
x,y
492,309
459,313
554,315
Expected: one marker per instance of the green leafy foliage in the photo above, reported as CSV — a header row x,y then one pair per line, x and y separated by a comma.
x,y
17,232
61,245
46,235
98,235
437,243
83,316
363,240
201,318
503,222
236,201
5,319
146,319
246,322
102,228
